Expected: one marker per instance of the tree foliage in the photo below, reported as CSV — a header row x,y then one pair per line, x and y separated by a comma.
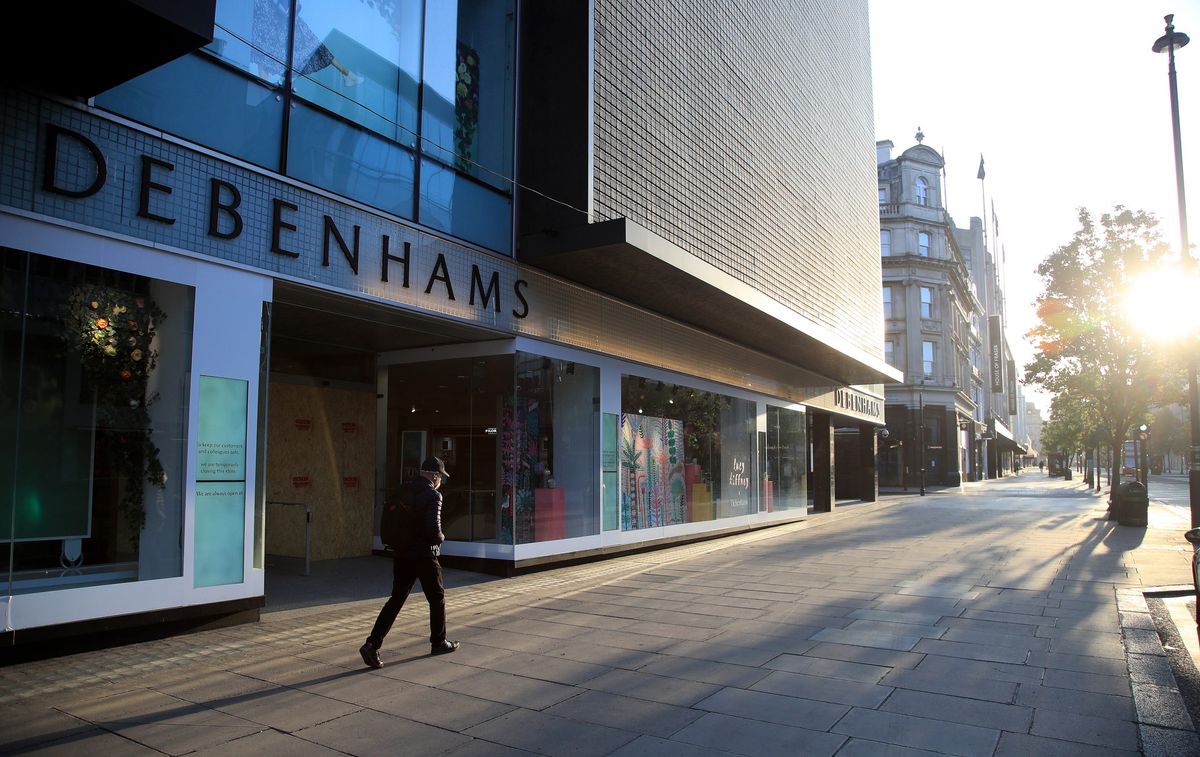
x,y
1087,351
1170,432
1072,425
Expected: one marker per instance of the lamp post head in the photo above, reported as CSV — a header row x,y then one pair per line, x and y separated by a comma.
x,y
1172,40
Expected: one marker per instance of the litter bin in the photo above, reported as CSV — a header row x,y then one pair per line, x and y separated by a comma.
x,y
1132,504
1067,474
1193,536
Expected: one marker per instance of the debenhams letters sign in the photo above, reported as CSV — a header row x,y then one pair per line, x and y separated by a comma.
x,y
110,176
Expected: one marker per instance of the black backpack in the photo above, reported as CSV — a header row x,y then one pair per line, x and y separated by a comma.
x,y
395,523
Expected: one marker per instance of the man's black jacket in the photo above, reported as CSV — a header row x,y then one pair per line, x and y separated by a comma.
x,y
424,532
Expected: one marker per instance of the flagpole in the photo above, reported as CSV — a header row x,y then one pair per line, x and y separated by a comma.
x,y
983,257
945,186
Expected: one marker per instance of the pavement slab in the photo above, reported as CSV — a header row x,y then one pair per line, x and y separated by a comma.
x,y
626,713
757,738
1004,717
367,732
920,733
548,734
1000,618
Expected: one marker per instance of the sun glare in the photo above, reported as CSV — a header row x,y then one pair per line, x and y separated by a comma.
x,y
1164,304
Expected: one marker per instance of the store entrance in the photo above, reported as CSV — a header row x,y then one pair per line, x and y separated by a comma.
x,y
327,457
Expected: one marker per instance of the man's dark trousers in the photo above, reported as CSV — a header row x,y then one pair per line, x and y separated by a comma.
x,y
406,570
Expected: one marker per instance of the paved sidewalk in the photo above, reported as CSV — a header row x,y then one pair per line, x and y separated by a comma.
x,y
1003,618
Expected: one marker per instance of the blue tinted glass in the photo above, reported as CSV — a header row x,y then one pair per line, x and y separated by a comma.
x,y
362,61
253,36
339,157
202,101
468,98
464,208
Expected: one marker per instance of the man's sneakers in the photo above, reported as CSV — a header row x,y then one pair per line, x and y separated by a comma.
x,y
370,655
446,647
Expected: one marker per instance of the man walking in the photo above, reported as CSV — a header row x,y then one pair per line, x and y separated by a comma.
x,y
415,553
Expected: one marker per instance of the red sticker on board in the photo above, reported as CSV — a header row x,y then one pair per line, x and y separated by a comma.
x,y
301,482
350,482
304,424
349,428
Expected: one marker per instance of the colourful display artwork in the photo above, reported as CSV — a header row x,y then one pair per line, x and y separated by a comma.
x,y
508,466
519,456
653,488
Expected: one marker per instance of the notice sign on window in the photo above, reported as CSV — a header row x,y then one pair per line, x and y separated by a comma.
x,y
221,482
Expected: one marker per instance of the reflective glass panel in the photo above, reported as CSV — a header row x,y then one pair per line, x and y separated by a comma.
x,y
465,208
360,60
457,410
201,100
253,35
786,484
468,98
333,154
554,432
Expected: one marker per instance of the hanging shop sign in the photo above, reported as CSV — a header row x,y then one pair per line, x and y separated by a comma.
x,y
1012,387
996,353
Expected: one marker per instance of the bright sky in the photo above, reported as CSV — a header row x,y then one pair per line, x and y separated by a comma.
x,y
1065,101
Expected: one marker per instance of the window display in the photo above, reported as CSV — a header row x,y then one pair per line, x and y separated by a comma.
x,y
686,455
94,371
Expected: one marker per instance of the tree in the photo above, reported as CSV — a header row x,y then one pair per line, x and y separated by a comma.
x,y
1170,434
1072,422
1086,347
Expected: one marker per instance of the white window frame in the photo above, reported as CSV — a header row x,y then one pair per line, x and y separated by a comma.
x,y
928,358
885,243
921,191
923,243
927,310
887,302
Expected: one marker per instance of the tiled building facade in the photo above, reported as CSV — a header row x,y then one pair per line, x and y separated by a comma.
x,y
626,291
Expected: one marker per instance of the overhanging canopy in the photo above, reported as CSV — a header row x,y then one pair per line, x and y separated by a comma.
x,y
627,261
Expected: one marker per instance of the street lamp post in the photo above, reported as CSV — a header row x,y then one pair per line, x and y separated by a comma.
x,y
921,432
1169,43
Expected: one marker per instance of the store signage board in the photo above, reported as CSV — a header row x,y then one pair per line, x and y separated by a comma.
x,y
220,512
107,175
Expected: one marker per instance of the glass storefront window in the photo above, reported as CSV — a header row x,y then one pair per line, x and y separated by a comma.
x,y
550,439
467,109
94,377
519,435
361,61
609,472
453,409
785,485
686,455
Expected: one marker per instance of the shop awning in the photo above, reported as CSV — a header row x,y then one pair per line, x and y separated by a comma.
x,y
622,259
